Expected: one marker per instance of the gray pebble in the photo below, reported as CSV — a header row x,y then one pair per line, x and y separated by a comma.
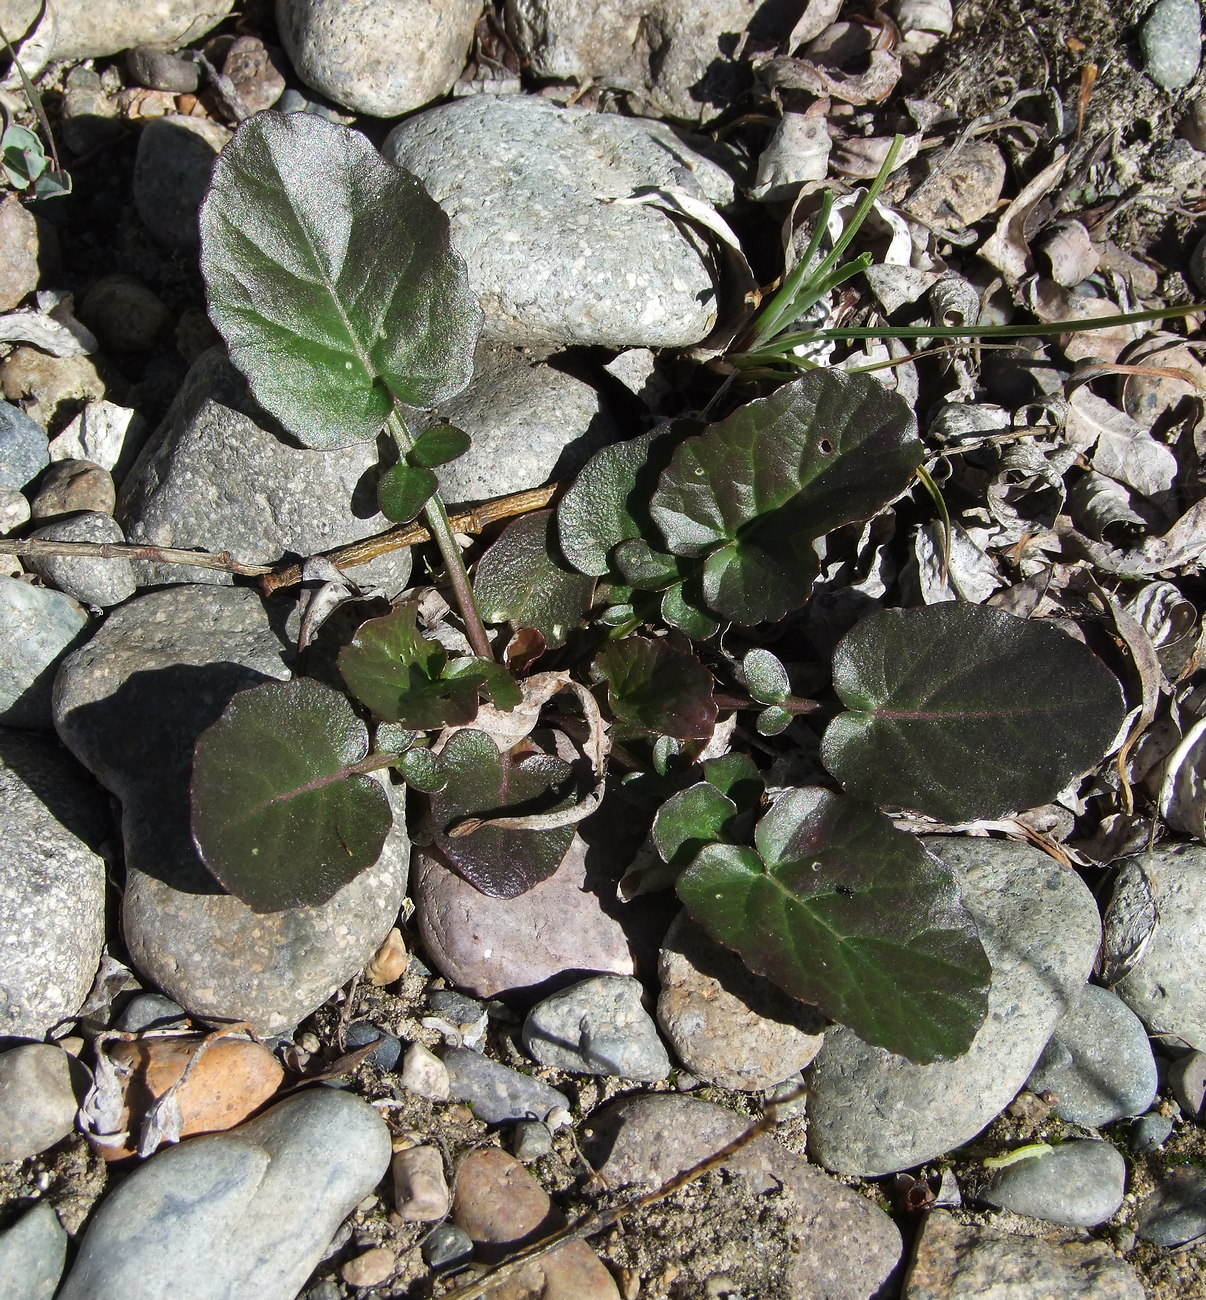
x,y
36,1099
597,1026
1176,1211
159,69
1187,1077
14,509
872,1112
1099,1061
530,1140
455,1007
32,1254
37,628
529,189
421,1192
1171,41
149,1011
494,1092
361,1033
446,1245
1150,1132
23,447
70,486
246,1213
91,579
1078,1184
171,172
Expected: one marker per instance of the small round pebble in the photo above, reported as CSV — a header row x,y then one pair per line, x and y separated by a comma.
x,y
421,1192
149,1011
446,1245
530,1140
158,68
424,1074
1187,1078
36,1099
1078,1184
1176,1211
14,509
388,963
371,1268
361,1033
1150,1132
496,1093
71,487
1171,41
124,314
91,579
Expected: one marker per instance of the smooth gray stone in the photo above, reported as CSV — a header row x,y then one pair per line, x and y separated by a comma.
x,y
90,579
872,1112
159,69
1099,1061
1150,1132
529,422
149,1011
244,1213
24,447
1187,1077
131,704
530,190
83,29
217,474
1176,1211
446,1244
36,1099
14,511
955,1261
597,1026
383,59
1077,1184
1171,41
171,174
840,1245
494,1092
52,924
32,1254
37,628
1165,988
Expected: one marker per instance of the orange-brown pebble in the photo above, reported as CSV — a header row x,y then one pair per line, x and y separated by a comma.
x,y
389,961
233,1078
371,1268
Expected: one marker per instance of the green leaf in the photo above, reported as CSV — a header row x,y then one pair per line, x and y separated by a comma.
x,y
422,770
608,502
842,910
765,677
690,820
438,445
482,782
751,494
332,278
736,776
403,490
682,612
962,711
652,686
492,678
397,672
521,580
644,568
283,812
772,721
22,158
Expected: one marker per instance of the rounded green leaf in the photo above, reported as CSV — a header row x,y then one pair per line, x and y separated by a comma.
x,y
438,445
332,278
963,711
751,494
842,910
691,819
765,677
651,686
422,770
284,814
772,721
403,490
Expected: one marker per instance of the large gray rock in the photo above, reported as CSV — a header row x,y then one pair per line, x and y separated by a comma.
x,y
171,173
80,29
52,923
955,1260
531,190
216,475
872,1112
1165,988
384,58
88,578
130,704
674,54
530,422
244,1213
37,627
32,1254
838,1245
1099,1061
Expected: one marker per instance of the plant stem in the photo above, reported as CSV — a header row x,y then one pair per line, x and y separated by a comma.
x,y
441,531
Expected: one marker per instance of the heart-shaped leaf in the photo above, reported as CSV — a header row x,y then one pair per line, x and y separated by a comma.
x,y
521,580
332,278
403,490
481,782
689,821
963,711
284,814
438,445
751,494
651,686
842,910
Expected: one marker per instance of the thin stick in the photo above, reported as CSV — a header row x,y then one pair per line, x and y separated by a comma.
x,y
132,551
